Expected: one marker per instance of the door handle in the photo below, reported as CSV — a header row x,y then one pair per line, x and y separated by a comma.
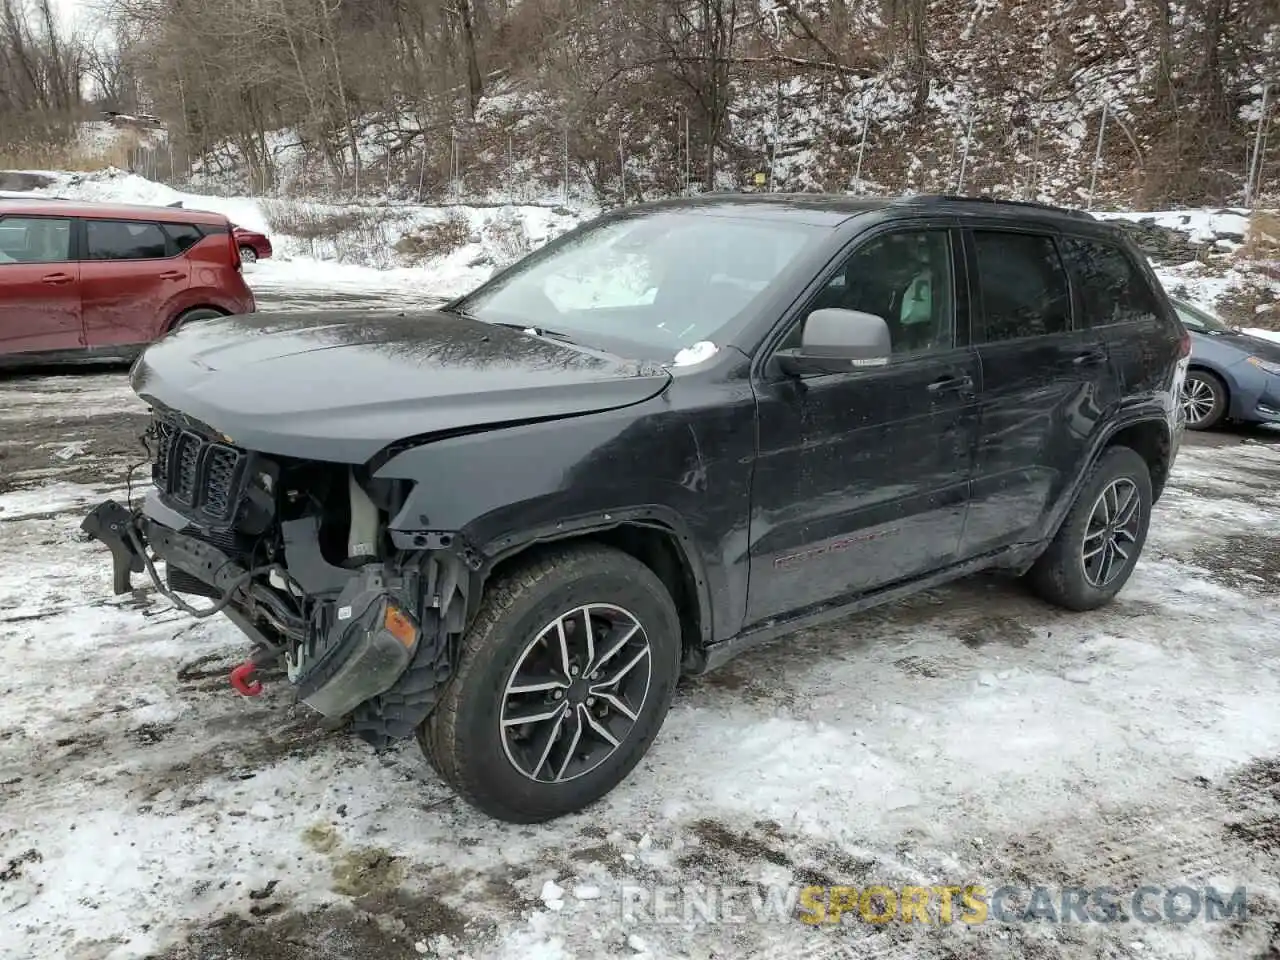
x,y
172,275
950,384
1090,358
57,279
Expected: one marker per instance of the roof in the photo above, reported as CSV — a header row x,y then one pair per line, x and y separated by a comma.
x,y
51,206
834,208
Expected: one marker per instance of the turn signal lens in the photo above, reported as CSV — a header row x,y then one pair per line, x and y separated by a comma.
x,y
397,623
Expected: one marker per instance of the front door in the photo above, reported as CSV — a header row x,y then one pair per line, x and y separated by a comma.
x,y
1046,387
39,286
130,276
862,477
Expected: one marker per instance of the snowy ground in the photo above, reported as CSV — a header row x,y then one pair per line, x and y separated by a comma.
x,y
970,735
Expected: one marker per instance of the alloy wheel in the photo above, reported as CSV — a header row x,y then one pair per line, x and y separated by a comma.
x,y
1111,536
575,693
1198,400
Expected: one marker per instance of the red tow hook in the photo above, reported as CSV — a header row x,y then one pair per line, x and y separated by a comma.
x,y
242,679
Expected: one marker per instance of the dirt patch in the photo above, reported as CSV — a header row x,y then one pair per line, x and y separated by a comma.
x,y
1253,793
150,733
1246,562
389,925
71,449
364,871
920,667
1000,631
13,869
719,840
241,759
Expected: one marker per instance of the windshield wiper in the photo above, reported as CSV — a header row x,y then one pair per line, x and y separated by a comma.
x,y
535,330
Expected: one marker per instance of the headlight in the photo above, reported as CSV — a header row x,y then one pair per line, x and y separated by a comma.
x,y
1267,365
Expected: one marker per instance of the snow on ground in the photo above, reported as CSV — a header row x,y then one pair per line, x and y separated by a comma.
x,y
970,735
1201,226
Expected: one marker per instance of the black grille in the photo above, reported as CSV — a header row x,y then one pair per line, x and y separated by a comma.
x,y
195,472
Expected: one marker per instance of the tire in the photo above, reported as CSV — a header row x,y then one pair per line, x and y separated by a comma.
x,y
485,760
1061,575
1204,395
248,255
199,313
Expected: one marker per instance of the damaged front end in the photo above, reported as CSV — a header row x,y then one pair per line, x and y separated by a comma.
x,y
298,555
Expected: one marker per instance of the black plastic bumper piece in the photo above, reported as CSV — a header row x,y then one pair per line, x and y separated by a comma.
x,y
109,523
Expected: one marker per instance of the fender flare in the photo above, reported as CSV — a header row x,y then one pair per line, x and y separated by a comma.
x,y
655,516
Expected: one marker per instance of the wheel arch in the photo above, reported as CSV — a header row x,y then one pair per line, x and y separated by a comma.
x,y
1221,375
1151,440
651,535
177,315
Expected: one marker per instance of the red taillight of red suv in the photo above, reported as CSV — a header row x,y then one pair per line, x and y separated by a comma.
x,y
235,247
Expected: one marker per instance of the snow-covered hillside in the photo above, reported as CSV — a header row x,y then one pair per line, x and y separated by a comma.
x,y
441,251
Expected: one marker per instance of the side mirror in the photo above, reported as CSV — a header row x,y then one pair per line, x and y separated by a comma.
x,y
838,341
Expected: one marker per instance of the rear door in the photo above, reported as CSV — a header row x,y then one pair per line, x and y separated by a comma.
x,y
1115,299
130,275
1045,384
39,285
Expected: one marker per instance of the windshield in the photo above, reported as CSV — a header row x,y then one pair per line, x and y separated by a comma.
x,y
664,280
1195,319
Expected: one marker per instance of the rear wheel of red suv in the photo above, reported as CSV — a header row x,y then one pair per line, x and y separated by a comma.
x,y
199,313
1098,544
562,683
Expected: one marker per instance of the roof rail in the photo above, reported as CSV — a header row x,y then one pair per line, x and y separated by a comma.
x,y
1034,205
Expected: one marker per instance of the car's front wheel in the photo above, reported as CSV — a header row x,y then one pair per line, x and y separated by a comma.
x,y
562,683
1097,546
1204,400
248,255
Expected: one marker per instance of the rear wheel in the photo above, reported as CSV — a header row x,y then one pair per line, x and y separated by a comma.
x,y
1204,399
562,683
1098,544
248,255
199,313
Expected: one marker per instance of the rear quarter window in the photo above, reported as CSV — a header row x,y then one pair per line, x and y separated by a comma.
x,y
184,235
1111,288
125,240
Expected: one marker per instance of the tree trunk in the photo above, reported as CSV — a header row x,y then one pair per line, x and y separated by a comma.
x,y
475,86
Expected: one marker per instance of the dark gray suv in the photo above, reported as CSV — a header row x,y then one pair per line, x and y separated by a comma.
x,y
511,524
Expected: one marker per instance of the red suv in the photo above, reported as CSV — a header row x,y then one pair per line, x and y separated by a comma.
x,y
254,246
98,280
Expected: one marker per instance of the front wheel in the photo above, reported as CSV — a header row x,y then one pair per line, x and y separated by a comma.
x,y
1098,544
1204,400
563,681
248,255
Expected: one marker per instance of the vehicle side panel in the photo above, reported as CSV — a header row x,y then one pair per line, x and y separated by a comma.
x,y
683,459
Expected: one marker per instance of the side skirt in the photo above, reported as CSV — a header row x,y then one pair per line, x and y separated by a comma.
x,y
1016,558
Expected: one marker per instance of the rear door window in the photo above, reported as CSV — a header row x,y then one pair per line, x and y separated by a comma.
x,y
35,240
1111,288
1023,285
184,235
125,240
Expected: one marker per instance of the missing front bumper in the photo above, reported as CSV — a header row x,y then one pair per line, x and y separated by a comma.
x,y
350,648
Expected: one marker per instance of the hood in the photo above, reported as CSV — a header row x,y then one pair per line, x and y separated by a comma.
x,y
342,385
1258,347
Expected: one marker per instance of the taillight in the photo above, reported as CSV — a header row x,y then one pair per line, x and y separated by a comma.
x,y
235,248
1184,344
